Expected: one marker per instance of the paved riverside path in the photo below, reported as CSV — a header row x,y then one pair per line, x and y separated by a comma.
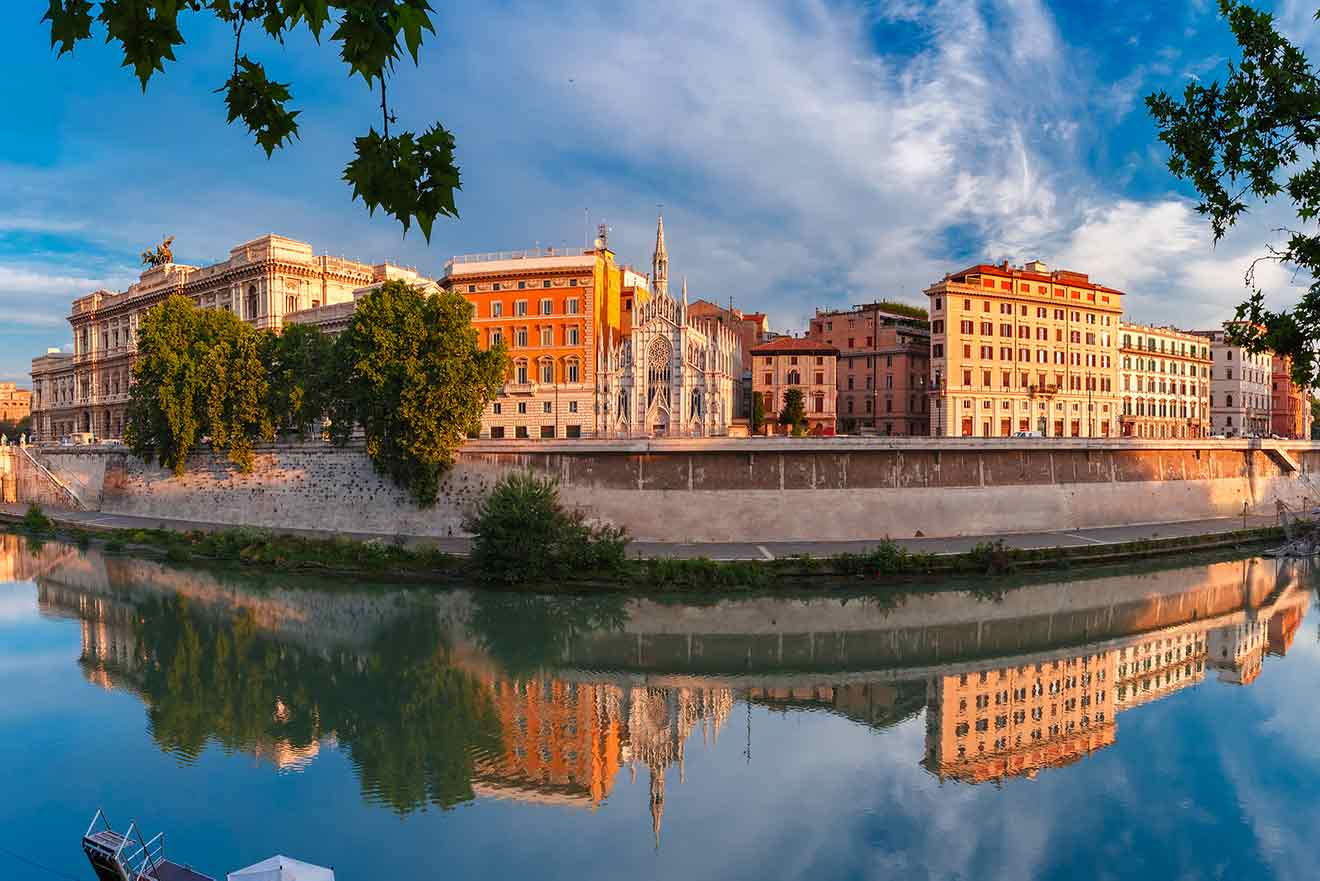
x,y
1099,535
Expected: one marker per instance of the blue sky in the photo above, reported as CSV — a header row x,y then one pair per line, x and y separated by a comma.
x,y
808,154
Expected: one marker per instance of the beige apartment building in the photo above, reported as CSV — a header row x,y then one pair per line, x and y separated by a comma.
x,y
262,281
794,362
1164,376
1240,394
1023,349
883,368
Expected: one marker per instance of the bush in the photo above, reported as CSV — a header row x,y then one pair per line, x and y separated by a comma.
x,y
521,533
35,520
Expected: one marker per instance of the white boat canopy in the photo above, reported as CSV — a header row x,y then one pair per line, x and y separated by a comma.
x,y
281,868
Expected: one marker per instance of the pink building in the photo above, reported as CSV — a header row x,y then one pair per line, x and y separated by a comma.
x,y
794,362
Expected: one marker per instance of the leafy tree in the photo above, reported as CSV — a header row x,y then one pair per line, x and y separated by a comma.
x,y
522,533
411,177
415,380
198,373
14,428
794,415
301,369
758,412
1256,135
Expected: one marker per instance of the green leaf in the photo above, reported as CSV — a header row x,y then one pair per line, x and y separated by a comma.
x,y
146,29
260,103
70,21
410,178
369,33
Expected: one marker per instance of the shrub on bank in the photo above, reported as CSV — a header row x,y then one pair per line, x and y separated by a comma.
x,y
35,520
522,533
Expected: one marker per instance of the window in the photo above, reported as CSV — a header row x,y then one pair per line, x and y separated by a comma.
x,y
571,371
495,286
497,432
496,408
522,407
520,307
547,407
496,309
574,430
571,305
520,337
547,373
520,376
546,283
572,405
571,335
572,282
520,432
521,285
794,378
546,306
472,289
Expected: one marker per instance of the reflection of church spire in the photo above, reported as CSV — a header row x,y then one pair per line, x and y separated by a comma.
x,y
660,260
657,803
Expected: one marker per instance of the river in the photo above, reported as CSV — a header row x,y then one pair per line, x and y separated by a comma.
x,y
1156,724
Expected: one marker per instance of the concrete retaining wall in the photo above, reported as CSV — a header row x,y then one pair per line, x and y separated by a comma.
x,y
22,481
732,490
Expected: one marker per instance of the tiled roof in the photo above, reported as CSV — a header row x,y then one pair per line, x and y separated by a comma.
x,y
794,346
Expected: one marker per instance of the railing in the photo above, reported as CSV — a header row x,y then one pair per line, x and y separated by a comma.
x,y
59,484
525,254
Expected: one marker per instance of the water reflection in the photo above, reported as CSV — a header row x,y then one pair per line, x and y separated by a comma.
x,y
439,699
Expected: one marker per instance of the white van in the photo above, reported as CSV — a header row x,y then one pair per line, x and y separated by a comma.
x,y
1027,434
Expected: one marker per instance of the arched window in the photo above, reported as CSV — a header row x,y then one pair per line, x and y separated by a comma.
x,y
520,371
251,301
546,371
290,303
659,372
572,370
696,411
794,378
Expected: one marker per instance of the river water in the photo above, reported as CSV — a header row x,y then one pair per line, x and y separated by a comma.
x,y
1154,725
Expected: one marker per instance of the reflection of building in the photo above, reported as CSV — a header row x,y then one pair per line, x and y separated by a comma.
x,y
991,724
563,743
262,281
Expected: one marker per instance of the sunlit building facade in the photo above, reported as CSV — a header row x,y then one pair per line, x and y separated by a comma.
x,y
1023,349
1164,375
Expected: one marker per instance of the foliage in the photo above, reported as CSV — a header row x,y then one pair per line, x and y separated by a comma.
x,y
1256,135
521,533
198,373
35,520
410,177
794,414
528,632
906,309
416,381
1315,419
758,412
14,429
301,370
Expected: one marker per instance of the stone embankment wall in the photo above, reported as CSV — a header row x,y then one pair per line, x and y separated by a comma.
x,y
22,480
751,490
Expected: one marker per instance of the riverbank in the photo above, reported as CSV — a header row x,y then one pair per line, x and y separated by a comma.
x,y
654,567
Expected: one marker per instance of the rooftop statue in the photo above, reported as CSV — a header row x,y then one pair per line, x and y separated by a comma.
x,y
159,255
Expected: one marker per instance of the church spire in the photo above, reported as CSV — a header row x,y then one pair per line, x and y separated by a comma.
x,y
684,320
660,259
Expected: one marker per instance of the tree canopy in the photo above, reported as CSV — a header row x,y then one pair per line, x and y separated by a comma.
x,y
411,177
416,381
794,415
301,365
1255,136
198,373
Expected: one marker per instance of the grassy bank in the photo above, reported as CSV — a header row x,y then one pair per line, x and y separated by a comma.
x,y
886,564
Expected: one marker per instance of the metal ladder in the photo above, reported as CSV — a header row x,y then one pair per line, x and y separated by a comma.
x,y
130,856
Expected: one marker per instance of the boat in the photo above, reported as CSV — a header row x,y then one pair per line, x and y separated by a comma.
x,y
129,856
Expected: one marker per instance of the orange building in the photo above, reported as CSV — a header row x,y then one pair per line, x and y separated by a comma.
x,y
551,308
793,362
15,402
1290,407
884,362
1023,349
